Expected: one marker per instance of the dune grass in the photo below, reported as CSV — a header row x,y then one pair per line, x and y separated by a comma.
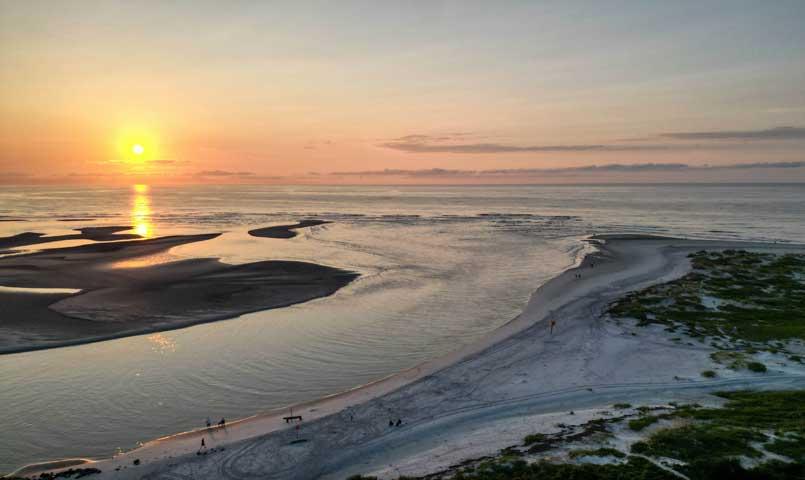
x,y
731,296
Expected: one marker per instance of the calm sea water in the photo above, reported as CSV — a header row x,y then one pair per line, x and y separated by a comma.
x,y
441,267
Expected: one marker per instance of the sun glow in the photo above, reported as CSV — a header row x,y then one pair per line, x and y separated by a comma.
x,y
137,146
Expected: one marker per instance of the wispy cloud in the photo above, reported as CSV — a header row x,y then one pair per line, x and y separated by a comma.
x,y
778,133
222,173
613,167
452,143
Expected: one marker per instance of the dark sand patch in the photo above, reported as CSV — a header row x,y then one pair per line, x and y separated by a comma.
x,y
97,234
117,302
285,231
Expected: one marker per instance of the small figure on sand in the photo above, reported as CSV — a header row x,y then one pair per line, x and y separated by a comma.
x,y
222,423
552,324
391,422
209,422
203,445
399,422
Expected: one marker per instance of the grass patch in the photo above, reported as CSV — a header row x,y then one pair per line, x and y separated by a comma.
x,y
690,442
731,295
534,438
642,422
718,436
599,452
793,448
756,367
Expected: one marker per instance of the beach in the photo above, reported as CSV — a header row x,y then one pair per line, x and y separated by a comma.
x,y
519,370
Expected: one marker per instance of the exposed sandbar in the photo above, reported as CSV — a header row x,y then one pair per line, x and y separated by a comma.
x,y
285,231
97,234
116,302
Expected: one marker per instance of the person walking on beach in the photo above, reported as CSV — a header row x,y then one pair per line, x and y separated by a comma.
x,y
209,422
203,445
553,324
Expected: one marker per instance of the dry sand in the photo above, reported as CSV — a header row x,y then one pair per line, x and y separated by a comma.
x,y
520,372
115,301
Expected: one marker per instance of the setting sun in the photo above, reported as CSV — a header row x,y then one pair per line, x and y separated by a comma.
x,y
137,146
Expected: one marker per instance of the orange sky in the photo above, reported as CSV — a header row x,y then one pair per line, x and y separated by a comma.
x,y
284,92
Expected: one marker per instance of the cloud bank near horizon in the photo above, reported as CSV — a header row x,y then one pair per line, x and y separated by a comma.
x,y
421,143
613,167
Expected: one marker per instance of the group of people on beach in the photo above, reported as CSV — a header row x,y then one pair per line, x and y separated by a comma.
x,y
392,423
222,423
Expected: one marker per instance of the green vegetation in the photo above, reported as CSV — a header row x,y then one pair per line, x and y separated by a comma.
x,y
756,367
793,448
634,468
709,374
731,296
720,435
534,438
599,452
690,442
642,422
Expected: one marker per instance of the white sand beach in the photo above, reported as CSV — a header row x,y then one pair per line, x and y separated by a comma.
x,y
520,379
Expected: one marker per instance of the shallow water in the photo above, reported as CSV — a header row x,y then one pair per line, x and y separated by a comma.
x,y
441,266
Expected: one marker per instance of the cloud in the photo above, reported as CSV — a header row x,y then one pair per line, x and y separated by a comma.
x,y
451,143
613,167
222,173
778,133
430,146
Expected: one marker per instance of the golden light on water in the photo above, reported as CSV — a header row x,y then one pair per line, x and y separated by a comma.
x,y
161,343
141,211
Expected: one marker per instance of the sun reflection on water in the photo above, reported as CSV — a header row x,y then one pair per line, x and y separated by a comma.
x,y
141,211
161,343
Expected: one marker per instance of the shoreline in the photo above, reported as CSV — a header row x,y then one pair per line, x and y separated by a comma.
x,y
618,269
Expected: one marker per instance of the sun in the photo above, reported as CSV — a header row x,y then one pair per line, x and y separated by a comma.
x,y
137,149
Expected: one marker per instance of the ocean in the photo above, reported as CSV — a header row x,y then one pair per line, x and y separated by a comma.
x,y
440,267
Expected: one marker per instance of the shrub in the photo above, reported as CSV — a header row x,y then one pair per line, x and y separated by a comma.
x,y
640,423
756,367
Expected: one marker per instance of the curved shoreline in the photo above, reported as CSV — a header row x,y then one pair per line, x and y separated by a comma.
x,y
617,270
367,391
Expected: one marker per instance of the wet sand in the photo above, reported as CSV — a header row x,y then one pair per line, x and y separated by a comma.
x,y
114,301
519,369
97,234
285,231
